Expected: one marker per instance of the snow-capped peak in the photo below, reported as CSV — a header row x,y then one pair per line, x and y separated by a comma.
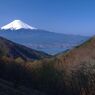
x,y
16,25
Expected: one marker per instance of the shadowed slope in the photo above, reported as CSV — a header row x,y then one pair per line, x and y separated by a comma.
x,y
13,50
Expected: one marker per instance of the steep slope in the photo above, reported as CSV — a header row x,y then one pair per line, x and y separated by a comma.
x,y
78,69
69,73
87,50
16,51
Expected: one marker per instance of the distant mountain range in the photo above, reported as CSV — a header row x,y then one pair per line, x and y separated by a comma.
x,y
42,40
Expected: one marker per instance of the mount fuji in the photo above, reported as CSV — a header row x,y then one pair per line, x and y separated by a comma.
x,y
49,42
17,24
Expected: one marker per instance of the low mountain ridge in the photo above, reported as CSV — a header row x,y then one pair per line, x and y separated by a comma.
x,y
42,40
13,50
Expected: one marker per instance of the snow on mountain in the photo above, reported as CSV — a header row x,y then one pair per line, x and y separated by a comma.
x,y
39,39
16,25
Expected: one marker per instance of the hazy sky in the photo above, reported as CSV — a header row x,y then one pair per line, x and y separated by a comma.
x,y
66,16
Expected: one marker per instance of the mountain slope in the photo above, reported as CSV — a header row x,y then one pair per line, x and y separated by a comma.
x,y
14,51
78,69
69,73
86,49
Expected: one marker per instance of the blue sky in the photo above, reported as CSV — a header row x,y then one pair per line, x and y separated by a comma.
x,y
65,16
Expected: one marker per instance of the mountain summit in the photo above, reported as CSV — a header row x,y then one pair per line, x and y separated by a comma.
x,y
16,25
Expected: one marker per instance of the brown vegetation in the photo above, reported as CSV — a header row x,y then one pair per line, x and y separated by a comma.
x,y
71,73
